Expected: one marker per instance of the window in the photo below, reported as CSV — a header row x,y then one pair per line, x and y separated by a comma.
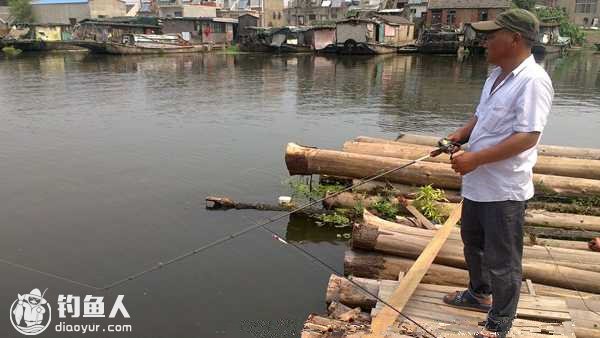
x,y
72,21
312,17
300,20
483,15
178,14
585,6
279,16
274,15
451,17
218,27
323,17
334,15
436,16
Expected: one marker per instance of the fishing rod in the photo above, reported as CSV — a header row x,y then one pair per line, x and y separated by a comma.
x,y
444,146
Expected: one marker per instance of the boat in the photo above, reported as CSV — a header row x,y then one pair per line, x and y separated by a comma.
x,y
381,34
35,45
550,41
143,44
438,42
289,39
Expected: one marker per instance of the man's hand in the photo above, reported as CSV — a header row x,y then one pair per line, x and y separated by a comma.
x,y
454,137
464,162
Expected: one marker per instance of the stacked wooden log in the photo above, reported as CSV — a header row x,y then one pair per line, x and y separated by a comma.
x,y
556,268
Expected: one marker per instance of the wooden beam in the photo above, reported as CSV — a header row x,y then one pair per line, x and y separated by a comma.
x,y
411,280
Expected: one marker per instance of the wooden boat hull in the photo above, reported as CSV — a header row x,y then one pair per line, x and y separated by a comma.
x,y
121,49
29,45
447,47
548,49
361,48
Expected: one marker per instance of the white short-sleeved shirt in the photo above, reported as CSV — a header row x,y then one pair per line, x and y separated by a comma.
x,y
520,103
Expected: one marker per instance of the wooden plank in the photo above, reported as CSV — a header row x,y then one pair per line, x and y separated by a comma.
x,y
420,217
413,277
530,286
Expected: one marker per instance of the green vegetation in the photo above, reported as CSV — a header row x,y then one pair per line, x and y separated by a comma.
x,y
385,209
302,189
20,10
337,219
233,49
427,201
11,51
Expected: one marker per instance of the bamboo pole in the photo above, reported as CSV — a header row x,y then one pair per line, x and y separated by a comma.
x,y
546,150
305,161
549,165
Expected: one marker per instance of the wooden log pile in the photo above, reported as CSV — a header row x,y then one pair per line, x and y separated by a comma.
x,y
561,262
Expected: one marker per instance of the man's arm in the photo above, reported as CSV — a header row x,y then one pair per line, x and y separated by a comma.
x,y
465,162
462,135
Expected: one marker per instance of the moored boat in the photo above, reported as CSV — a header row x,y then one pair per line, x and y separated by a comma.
x,y
143,44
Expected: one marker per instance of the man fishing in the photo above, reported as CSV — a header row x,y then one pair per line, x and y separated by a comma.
x,y
497,169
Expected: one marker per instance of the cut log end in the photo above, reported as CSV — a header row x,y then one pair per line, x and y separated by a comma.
x,y
594,244
296,159
213,202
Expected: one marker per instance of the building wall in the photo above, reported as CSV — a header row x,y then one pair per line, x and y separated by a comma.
x,y
463,15
577,17
273,15
363,32
398,34
244,22
196,11
107,8
312,14
60,13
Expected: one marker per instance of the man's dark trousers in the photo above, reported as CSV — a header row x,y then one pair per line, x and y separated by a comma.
x,y
492,233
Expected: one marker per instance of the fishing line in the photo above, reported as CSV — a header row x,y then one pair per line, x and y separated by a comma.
x,y
569,281
232,236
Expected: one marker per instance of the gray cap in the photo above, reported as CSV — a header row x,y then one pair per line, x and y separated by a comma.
x,y
516,20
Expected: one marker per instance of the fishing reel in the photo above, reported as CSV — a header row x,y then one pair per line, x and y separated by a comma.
x,y
446,146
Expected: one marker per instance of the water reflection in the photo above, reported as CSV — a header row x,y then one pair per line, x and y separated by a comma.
x,y
111,158
302,229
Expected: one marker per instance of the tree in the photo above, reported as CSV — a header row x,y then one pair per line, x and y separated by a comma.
x,y
20,10
525,4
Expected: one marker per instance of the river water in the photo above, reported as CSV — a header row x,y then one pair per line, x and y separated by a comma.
x,y
105,163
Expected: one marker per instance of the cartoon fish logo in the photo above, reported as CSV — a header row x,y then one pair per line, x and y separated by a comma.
x,y
30,314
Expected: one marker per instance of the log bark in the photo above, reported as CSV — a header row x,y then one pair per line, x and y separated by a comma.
x,y
532,217
407,191
410,246
546,150
305,161
556,243
373,265
320,327
375,233
226,203
400,297
548,165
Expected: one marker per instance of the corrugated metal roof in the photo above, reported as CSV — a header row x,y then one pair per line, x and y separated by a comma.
x,y
58,2
441,4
